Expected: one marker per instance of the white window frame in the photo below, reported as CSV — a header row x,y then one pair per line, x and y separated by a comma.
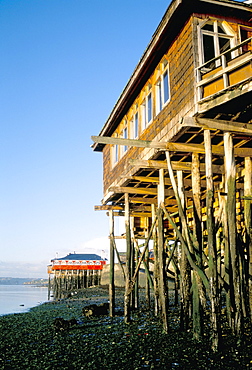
x,y
160,90
145,119
125,136
136,125
115,154
229,35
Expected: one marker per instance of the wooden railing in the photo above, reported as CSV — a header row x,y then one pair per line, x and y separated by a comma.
x,y
227,69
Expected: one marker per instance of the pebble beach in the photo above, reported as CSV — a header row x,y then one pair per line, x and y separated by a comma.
x,y
30,341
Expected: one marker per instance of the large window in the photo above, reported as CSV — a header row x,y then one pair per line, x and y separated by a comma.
x,y
135,128
146,111
125,136
162,91
115,156
216,38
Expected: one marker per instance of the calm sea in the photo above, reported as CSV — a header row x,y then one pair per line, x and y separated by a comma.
x,y
20,298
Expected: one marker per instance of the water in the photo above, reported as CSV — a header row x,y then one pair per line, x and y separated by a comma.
x,y
20,298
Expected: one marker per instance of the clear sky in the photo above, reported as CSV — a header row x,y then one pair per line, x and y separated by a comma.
x,y
63,64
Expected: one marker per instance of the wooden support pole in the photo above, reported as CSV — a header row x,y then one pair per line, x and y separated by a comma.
x,y
198,291
147,284
128,260
211,242
248,225
185,270
163,291
112,266
136,290
230,172
156,264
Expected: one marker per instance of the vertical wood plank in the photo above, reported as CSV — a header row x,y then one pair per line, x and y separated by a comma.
x,y
156,264
163,293
198,289
112,266
230,172
211,242
128,260
247,220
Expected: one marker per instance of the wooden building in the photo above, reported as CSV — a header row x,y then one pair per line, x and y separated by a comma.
x,y
73,272
177,150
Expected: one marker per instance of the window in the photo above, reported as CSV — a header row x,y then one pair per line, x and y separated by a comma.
x,y
115,150
216,38
162,91
125,136
135,129
149,108
146,111
245,33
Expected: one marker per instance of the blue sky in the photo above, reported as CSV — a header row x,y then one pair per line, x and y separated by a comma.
x,y
63,65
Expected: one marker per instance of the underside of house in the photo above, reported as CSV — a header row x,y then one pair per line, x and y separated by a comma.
x,y
177,151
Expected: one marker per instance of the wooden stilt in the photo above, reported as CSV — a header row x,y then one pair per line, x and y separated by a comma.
x,y
211,242
248,226
197,284
156,264
147,284
163,292
231,218
112,266
128,260
185,270
136,290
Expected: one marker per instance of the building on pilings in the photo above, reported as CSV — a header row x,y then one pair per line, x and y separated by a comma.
x,y
177,151
74,272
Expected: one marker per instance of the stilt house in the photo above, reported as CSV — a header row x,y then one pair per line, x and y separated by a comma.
x,y
74,271
177,151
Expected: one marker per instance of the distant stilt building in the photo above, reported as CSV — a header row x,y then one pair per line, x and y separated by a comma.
x,y
74,272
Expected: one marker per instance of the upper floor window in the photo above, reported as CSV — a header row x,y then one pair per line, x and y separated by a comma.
x,y
115,156
216,38
162,91
146,111
149,108
135,125
125,136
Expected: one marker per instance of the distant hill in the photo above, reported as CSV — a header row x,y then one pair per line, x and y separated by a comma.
x,y
20,281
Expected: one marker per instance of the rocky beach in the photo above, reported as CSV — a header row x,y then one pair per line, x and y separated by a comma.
x,y
31,341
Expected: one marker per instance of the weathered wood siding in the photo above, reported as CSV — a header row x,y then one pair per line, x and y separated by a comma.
x,y
181,73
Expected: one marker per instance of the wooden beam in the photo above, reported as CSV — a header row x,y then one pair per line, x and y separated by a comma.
x,y
143,200
216,124
132,190
184,166
172,147
108,208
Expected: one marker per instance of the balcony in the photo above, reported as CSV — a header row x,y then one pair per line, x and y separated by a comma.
x,y
230,68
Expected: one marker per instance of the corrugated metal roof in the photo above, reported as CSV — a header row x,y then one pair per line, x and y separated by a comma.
x,y
80,257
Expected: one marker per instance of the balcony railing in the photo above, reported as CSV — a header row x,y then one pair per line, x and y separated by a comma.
x,y
227,69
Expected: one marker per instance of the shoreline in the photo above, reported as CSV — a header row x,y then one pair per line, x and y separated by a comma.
x,y
29,340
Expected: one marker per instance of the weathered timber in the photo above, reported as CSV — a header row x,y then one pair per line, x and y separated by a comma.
x,y
128,259
185,270
248,226
162,282
112,267
211,242
231,219
147,191
173,147
217,124
183,166
156,264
